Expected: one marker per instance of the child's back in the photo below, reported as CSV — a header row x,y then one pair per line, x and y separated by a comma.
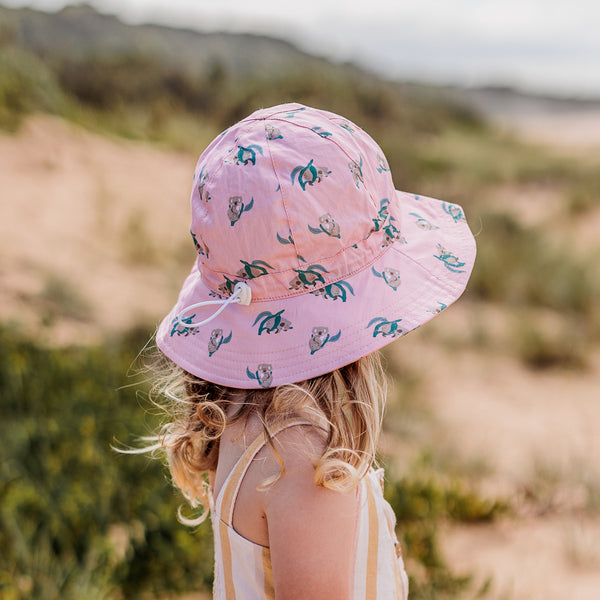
x,y
326,544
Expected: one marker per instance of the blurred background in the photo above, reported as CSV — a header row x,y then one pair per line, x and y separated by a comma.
x,y
491,440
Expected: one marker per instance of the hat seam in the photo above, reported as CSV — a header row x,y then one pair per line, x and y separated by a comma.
x,y
334,141
409,299
320,286
284,201
274,165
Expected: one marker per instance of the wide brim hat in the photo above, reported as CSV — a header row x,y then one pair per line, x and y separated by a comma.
x,y
299,205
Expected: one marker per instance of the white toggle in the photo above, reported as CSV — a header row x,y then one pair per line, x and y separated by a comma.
x,y
242,294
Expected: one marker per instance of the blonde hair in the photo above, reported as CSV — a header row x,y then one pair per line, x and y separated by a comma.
x,y
346,403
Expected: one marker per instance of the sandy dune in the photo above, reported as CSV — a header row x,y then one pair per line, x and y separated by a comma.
x,y
90,213
539,435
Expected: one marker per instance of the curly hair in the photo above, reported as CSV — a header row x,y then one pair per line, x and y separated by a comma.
x,y
346,404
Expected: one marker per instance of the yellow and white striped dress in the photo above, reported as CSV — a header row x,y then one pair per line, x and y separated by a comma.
x,y
243,569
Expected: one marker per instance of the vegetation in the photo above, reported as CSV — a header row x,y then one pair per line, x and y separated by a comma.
x,y
421,501
78,520
26,85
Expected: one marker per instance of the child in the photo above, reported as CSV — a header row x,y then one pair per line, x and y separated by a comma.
x,y
308,262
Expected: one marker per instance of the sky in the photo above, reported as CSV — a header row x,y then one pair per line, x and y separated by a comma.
x,y
547,46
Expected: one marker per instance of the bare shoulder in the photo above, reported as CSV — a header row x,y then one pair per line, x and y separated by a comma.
x,y
287,462
295,453
300,445
310,528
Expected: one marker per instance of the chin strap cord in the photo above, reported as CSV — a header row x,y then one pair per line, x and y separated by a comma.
x,y
242,294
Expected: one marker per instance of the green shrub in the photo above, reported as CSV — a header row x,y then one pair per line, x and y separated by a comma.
x,y
60,298
138,246
584,194
540,347
519,265
26,85
65,494
423,499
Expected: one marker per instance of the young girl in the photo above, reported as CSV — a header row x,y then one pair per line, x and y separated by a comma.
x,y
308,262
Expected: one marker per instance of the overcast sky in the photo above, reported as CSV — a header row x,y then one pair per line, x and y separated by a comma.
x,y
538,45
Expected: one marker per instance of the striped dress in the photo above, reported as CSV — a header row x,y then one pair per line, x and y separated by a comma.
x,y
243,569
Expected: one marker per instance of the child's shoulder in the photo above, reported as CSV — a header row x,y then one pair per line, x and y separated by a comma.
x,y
300,439
291,448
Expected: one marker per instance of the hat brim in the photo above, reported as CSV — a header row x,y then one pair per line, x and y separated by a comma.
x,y
272,342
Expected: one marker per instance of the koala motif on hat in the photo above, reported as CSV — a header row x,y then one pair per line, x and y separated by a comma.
x,y
237,207
256,268
386,328
308,277
423,223
201,249
436,310
320,336
384,221
381,164
454,211
346,125
273,133
391,234
227,287
309,175
183,327
389,275
216,340
263,374
382,214
327,225
245,155
324,134
356,170
272,322
292,113
202,181
450,260
336,290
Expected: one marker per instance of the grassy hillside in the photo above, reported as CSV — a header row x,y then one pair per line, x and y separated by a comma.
x,y
80,33
139,80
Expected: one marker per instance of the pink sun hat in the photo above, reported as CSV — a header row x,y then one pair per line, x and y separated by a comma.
x,y
308,257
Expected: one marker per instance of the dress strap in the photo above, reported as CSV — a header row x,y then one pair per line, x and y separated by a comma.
x,y
234,481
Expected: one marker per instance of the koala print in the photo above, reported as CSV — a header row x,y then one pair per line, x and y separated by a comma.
x,y
237,207
216,340
320,336
273,133
265,375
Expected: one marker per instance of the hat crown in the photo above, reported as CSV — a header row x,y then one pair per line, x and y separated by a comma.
x,y
290,199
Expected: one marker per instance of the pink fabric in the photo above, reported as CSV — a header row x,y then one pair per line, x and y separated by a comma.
x,y
299,203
